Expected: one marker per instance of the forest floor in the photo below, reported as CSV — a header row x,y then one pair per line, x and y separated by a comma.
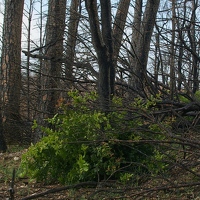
x,y
23,188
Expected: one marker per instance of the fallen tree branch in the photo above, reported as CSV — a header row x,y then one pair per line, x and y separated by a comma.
x,y
141,191
54,190
154,189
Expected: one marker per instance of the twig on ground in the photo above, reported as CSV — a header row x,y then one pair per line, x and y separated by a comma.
x,y
54,190
11,189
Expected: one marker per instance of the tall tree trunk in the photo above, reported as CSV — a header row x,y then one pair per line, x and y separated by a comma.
x,y
39,114
71,40
180,63
156,62
107,43
11,66
54,51
192,37
172,52
103,44
3,146
118,31
136,31
29,18
141,44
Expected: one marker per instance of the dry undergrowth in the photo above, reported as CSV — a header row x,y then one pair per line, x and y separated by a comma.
x,y
176,186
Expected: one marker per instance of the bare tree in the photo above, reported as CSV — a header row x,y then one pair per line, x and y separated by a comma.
x,y
172,52
193,43
118,32
107,43
182,49
103,44
142,32
136,31
28,14
71,39
54,51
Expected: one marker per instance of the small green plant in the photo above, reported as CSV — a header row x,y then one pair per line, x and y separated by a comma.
x,y
187,99
87,144
197,95
126,177
183,99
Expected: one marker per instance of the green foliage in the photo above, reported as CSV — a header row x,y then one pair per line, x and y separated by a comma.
x,y
184,99
86,144
197,95
148,103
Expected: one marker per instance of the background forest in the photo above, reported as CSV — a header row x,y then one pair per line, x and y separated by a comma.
x,y
103,90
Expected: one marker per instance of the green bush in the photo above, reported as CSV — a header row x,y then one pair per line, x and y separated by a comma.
x,y
86,144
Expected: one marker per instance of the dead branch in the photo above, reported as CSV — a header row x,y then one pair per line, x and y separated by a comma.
x,y
164,187
54,190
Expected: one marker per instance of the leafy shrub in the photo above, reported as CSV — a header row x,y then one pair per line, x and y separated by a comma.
x,y
187,99
86,144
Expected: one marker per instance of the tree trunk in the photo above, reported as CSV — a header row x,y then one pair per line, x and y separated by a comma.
x,y
142,47
180,63
28,67
135,42
11,66
3,146
172,52
103,44
107,43
192,38
118,31
54,50
71,40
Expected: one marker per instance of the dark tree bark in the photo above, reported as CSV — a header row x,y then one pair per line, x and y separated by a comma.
x,y
137,21
141,44
3,146
180,63
107,43
172,52
11,67
103,44
71,40
192,38
54,50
